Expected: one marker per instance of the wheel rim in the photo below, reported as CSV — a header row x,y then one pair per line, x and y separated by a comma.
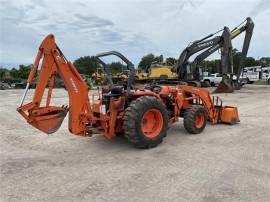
x,y
152,123
199,120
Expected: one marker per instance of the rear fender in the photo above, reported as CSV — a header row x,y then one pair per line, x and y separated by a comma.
x,y
139,93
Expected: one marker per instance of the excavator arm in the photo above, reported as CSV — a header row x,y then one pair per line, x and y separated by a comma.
x,y
226,59
48,118
189,70
248,28
183,68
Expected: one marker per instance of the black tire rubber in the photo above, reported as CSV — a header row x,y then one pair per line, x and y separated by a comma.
x,y
163,76
132,122
213,84
207,84
190,118
195,84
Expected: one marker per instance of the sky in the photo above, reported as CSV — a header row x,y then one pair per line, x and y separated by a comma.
x,y
132,27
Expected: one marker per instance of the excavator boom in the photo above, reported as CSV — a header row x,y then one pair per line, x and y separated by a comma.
x,y
189,71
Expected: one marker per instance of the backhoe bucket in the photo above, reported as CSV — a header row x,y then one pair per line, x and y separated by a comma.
x,y
46,119
236,85
225,86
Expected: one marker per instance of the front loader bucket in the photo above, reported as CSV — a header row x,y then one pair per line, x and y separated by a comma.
x,y
225,86
46,119
229,115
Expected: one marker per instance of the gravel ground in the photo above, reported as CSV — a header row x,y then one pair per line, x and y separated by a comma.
x,y
224,163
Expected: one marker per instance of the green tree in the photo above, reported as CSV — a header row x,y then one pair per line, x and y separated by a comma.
x,y
23,71
250,61
170,61
86,65
265,61
211,66
159,59
14,73
236,59
146,61
3,72
116,67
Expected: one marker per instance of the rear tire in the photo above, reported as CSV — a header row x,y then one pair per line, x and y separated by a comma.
x,y
145,122
195,119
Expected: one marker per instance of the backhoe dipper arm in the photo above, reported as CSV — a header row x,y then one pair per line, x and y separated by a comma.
x,y
248,28
226,46
49,118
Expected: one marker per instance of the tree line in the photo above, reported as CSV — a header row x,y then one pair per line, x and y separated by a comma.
x,y
88,65
212,66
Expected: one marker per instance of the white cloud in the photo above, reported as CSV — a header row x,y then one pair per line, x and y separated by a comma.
x,y
133,27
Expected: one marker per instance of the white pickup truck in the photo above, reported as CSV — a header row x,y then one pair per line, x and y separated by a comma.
x,y
250,76
213,79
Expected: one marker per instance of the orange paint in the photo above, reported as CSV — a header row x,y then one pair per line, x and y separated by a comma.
x,y
105,113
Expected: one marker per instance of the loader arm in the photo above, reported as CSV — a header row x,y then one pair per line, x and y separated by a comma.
x,y
49,118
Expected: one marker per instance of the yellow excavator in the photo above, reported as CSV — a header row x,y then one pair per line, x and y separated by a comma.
x,y
155,73
141,75
161,72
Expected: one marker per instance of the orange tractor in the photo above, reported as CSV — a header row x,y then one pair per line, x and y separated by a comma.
x,y
143,116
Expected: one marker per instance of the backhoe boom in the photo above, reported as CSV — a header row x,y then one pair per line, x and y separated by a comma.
x,y
54,62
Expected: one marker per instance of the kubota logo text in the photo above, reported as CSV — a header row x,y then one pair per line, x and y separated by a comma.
x,y
73,85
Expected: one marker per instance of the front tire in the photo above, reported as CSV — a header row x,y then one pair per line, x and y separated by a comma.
x,y
195,119
145,122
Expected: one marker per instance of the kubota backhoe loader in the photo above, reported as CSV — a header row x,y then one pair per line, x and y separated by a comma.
x,y
191,73
143,116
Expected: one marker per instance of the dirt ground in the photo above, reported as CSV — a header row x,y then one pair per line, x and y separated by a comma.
x,y
224,163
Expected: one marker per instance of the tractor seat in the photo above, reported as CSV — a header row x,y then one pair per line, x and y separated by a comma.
x,y
115,92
